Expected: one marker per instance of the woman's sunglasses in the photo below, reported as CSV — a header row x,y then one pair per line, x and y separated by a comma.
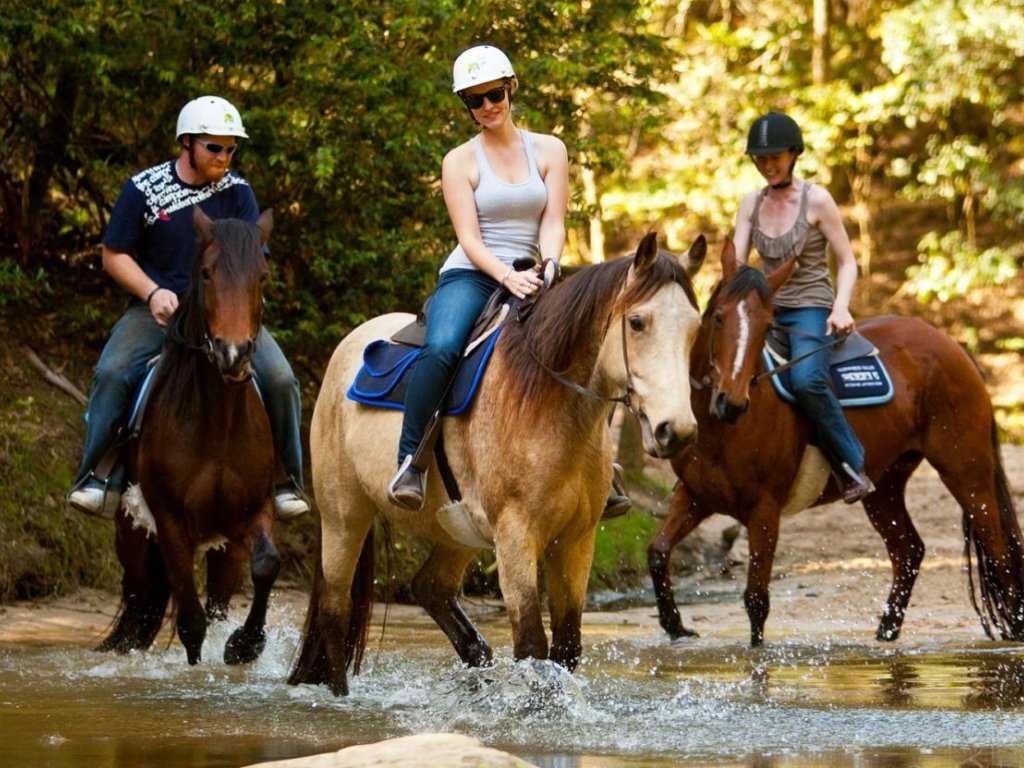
x,y
476,100
215,149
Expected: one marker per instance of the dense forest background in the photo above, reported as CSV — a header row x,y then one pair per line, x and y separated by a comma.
x,y
912,111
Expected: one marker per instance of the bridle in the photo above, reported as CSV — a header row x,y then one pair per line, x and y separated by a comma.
x,y
630,399
757,377
205,345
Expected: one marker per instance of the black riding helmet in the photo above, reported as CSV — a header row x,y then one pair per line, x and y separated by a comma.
x,y
773,133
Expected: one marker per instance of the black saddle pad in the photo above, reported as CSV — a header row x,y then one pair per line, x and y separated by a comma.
x,y
859,377
383,378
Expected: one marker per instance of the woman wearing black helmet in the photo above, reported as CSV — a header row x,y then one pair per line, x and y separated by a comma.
x,y
791,218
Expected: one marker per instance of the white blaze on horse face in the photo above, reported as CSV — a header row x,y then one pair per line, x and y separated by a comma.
x,y
742,339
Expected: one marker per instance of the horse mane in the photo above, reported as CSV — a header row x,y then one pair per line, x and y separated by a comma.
x,y
560,324
747,279
182,353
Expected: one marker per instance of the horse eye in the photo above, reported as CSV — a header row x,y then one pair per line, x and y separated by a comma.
x,y
637,323
205,274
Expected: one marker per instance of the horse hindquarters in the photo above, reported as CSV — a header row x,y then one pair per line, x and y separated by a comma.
x,y
335,630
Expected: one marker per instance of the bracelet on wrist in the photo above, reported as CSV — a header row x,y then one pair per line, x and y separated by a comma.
x,y
151,295
505,276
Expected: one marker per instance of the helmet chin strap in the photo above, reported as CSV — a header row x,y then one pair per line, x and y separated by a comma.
x,y
789,178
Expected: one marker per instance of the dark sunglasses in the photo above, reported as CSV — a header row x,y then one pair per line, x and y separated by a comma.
x,y
215,149
476,100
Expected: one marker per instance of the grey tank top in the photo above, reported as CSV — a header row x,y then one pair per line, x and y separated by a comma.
x,y
810,285
509,214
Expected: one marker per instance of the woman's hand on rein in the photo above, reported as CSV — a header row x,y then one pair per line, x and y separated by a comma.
x,y
524,283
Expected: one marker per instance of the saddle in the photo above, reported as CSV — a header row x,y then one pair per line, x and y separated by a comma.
x,y
859,377
381,381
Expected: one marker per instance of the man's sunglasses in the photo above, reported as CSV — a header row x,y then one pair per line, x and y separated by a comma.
x,y
476,100
215,149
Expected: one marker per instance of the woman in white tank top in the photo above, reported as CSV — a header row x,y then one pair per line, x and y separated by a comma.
x,y
507,192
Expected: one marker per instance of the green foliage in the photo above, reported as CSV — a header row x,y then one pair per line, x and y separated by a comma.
x,y
16,286
620,553
949,267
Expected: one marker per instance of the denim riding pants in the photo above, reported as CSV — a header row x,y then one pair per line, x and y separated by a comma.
x,y
810,383
134,340
457,301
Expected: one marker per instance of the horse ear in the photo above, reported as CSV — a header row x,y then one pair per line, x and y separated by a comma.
x,y
646,253
203,224
266,225
729,265
694,258
780,275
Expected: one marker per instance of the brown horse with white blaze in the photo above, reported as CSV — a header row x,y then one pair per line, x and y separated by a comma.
x,y
203,459
532,457
755,462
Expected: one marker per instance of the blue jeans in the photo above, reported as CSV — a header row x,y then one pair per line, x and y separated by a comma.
x,y
457,301
134,340
809,380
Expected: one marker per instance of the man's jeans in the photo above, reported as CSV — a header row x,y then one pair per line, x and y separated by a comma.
x,y
134,341
809,381
457,301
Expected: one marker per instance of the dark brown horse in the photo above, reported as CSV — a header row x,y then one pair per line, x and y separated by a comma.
x,y
203,459
533,459
759,466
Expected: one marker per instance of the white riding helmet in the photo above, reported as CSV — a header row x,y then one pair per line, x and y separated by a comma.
x,y
212,115
480,64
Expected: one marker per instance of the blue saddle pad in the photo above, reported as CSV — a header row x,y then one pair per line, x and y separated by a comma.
x,y
858,382
383,378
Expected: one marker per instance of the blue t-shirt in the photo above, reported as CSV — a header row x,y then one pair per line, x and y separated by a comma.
x,y
152,220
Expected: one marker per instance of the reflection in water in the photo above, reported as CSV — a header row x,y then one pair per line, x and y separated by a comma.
x,y
635,701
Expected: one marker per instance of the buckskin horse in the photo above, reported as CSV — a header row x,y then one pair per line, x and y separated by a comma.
x,y
532,457
753,459
203,458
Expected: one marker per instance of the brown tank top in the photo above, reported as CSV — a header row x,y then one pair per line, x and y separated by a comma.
x,y
811,283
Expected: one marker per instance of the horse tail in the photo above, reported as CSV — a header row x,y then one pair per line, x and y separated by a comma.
x,y
362,603
312,665
1000,584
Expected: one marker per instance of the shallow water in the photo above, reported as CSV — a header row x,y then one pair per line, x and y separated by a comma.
x,y
636,700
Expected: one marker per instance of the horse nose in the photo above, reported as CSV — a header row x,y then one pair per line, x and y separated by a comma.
x,y
232,358
672,439
724,410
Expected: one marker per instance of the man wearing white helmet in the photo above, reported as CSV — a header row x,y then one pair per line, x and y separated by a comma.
x,y
148,249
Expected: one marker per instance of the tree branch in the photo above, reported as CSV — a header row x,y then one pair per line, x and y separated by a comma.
x,y
56,379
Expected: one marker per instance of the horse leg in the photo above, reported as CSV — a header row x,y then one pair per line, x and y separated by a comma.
x,y
680,522
763,533
517,573
341,600
144,591
978,483
567,568
436,587
247,642
178,558
223,578
887,511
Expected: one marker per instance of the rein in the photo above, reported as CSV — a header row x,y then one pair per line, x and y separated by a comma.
x,y
706,380
793,361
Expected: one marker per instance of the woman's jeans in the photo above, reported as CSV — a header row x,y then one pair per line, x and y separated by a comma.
x,y
457,301
134,341
809,381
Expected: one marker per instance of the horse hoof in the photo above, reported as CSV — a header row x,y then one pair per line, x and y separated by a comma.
x,y
242,649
